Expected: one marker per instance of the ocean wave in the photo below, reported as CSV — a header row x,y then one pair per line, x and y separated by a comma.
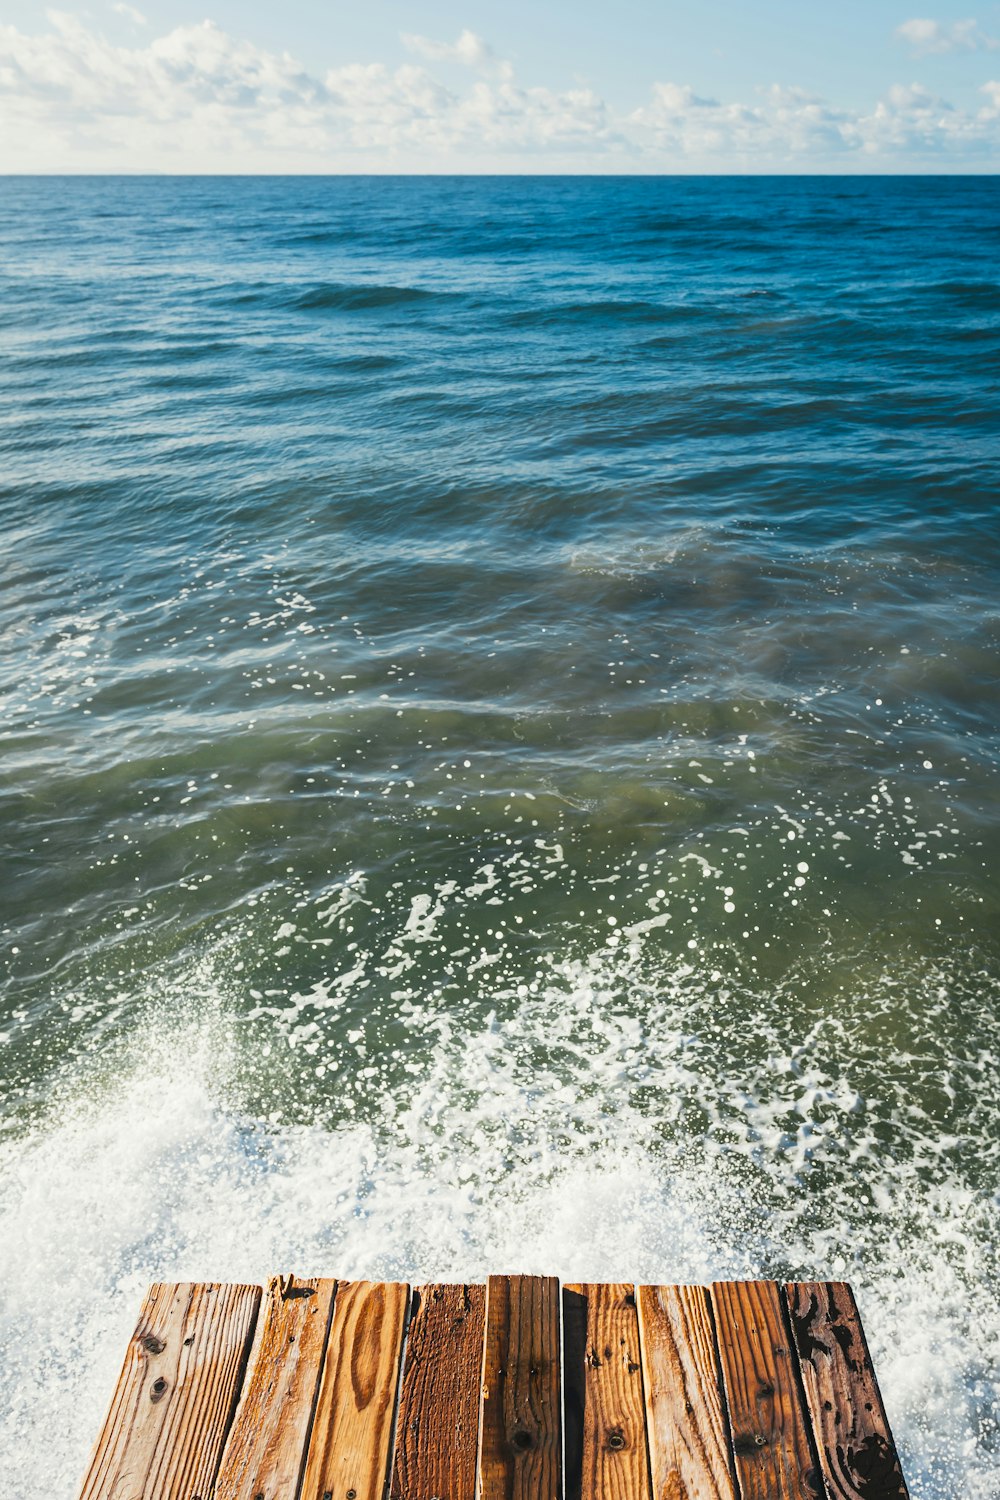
x,y
612,310
331,297
981,296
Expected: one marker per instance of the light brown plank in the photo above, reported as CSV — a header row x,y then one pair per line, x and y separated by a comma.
x,y
768,1427
348,1457
856,1451
520,1430
437,1428
168,1419
266,1449
688,1432
609,1461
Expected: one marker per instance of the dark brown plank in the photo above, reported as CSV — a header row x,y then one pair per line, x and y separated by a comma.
x,y
521,1438
266,1450
768,1425
163,1435
856,1451
686,1422
608,1461
437,1427
348,1456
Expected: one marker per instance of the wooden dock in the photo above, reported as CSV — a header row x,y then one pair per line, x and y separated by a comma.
x,y
521,1389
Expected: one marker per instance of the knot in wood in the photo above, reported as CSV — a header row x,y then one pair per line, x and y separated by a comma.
x,y
152,1344
158,1389
521,1440
616,1440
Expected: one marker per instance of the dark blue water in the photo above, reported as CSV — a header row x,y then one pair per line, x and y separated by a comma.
x,y
499,685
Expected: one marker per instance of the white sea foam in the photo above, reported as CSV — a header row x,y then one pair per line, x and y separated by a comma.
x,y
487,1162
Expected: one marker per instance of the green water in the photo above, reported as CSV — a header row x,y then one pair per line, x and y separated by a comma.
x,y
500,758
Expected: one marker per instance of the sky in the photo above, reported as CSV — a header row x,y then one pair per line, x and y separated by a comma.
x,y
432,86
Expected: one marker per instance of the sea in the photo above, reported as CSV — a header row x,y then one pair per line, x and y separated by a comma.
x,y
499,699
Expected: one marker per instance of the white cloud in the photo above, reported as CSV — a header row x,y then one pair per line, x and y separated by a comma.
x,y
788,126
683,122
200,99
130,13
470,50
925,36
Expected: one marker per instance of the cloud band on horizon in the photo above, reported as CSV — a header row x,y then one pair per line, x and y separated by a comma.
x,y
199,99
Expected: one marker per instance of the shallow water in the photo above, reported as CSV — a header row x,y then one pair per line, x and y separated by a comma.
x,y
499,687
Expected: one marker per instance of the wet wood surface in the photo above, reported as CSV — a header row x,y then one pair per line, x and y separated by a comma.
x,y
437,1429
355,1390
772,1451
520,1426
854,1443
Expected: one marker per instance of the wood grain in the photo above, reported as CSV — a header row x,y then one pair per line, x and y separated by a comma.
x,y
170,1413
348,1456
769,1432
856,1451
437,1429
602,1377
520,1429
266,1450
686,1422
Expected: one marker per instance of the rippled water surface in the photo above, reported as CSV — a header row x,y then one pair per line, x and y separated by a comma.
x,y
499,712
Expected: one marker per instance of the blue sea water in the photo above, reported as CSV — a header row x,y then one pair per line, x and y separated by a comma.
x,y
499,719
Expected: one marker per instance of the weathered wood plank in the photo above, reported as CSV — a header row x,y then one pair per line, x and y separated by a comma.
x,y
520,1430
437,1428
348,1456
856,1451
686,1422
170,1413
769,1432
266,1450
602,1377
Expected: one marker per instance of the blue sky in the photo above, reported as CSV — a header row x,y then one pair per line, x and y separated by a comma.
x,y
622,85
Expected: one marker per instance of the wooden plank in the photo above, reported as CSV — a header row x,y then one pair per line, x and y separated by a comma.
x,y
520,1428
266,1450
437,1429
856,1451
170,1413
686,1420
768,1424
348,1456
602,1378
